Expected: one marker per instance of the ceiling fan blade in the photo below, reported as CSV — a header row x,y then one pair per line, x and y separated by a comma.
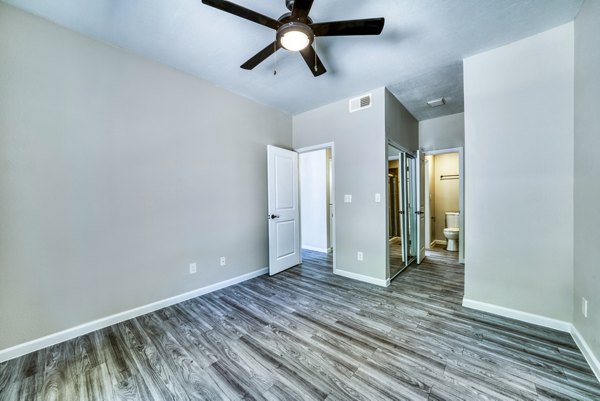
x,y
301,9
261,56
243,12
312,60
370,26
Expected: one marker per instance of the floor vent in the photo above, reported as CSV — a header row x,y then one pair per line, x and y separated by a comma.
x,y
360,103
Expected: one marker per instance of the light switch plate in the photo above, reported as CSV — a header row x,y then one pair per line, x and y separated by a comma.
x,y
359,256
377,198
347,198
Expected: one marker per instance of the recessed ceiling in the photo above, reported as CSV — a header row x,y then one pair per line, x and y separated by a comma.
x,y
418,55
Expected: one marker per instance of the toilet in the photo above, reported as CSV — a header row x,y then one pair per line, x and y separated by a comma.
x,y
451,231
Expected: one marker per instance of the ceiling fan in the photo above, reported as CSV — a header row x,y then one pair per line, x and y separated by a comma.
x,y
296,30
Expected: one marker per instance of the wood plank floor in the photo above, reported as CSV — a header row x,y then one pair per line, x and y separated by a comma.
x,y
306,334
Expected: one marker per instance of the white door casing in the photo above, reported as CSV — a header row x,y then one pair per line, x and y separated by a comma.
x,y
420,207
283,209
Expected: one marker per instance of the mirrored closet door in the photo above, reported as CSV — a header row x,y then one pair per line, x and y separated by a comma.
x,y
402,219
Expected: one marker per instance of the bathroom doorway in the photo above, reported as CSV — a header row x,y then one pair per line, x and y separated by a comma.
x,y
444,208
401,201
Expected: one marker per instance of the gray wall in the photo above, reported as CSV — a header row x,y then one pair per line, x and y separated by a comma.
x,y
445,132
115,174
587,171
400,126
519,159
359,168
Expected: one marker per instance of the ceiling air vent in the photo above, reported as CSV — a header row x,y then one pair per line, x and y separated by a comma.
x,y
360,103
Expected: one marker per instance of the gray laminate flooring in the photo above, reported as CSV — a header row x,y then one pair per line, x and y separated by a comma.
x,y
306,334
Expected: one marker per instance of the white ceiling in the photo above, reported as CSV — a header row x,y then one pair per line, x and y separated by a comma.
x,y
418,55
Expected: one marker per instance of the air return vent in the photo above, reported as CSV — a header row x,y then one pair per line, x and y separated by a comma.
x,y
360,103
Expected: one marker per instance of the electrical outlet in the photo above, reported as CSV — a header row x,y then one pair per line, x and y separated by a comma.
x,y
584,307
359,256
222,260
192,268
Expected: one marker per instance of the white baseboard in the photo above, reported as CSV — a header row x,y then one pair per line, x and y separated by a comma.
x,y
367,279
556,324
586,351
55,338
440,242
313,248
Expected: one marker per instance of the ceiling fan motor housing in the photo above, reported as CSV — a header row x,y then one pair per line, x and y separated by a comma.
x,y
295,26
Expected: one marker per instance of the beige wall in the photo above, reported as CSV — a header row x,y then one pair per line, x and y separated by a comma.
x,y
587,173
446,191
115,174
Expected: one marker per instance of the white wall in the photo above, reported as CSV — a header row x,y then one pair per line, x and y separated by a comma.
x,y
444,132
313,200
587,173
359,160
115,174
519,161
446,191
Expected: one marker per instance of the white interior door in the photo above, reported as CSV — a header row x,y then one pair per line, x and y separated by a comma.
x,y
284,216
420,206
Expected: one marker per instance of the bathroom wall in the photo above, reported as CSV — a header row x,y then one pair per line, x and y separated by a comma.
x,y
519,107
313,199
587,171
446,191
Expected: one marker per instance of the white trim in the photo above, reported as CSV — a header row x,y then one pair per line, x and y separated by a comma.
x,y
586,351
360,277
442,151
55,338
439,242
314,147
540,320
314,248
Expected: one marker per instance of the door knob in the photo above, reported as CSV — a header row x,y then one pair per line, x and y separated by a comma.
x,y
273,216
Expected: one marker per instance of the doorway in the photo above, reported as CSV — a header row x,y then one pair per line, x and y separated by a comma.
x,y
444,204
317,206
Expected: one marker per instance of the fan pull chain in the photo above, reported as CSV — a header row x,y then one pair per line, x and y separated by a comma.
x,y
315,48
275,51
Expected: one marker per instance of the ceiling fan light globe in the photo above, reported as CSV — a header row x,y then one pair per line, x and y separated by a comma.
x,y
294,40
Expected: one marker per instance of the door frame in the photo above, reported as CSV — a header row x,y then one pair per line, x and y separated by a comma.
x,y
461,194
331,147
427,206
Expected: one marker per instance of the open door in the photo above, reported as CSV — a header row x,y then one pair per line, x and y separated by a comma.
x,y
420,206
284,216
